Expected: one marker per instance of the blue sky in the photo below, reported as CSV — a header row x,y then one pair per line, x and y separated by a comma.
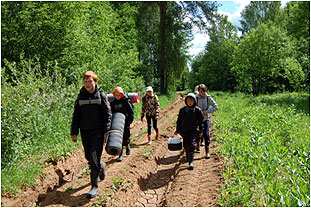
x,y
233,10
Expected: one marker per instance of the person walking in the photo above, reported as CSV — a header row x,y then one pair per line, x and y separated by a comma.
x,y
204,101
151,107
189,124
92,116
122,104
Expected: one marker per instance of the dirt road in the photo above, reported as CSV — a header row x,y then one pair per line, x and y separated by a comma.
x,y
150,176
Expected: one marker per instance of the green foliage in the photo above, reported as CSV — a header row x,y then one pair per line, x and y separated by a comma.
x,y
213,66
264,62
147,153
105,200
298,27
120,183
266,145
76,36
258,12
35,122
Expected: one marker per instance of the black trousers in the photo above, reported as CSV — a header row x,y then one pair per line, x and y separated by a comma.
x,y
93,142
126,135
154,121
189,140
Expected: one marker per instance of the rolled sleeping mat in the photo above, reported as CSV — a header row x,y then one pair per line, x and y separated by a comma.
x,y
134,97
115,135
174,144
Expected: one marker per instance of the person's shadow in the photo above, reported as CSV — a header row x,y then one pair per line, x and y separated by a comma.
x,y
54,197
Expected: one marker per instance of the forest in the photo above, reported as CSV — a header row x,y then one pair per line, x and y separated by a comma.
x,y
47,46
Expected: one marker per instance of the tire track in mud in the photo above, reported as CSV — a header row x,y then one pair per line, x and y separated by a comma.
x,y
160,178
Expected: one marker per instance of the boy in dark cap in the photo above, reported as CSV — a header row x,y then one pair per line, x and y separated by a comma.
x,y
190,120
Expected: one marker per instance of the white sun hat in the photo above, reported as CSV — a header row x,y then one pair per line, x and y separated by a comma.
x,y
149,88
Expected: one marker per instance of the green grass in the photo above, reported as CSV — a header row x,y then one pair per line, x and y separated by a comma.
x,y
266,144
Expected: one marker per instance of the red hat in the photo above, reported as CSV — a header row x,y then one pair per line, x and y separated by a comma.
x,y
119,90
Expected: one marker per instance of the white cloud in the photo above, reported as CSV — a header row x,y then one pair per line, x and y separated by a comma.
x,y
198,43
236,16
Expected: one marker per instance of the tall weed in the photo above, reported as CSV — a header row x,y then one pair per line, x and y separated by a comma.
x,y
35,125
266,143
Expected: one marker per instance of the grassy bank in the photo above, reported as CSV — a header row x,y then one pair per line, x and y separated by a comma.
x,y
266,144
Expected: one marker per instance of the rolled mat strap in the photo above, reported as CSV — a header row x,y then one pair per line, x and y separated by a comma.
x,y
115,131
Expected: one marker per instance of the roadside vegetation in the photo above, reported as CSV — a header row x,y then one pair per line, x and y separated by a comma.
x,y
266,144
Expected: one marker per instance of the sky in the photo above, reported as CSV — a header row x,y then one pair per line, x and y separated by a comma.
x,y
233,10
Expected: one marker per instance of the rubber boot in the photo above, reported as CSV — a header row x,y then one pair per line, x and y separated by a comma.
x,y
157,136
120,157
191,166
207,156
102,172
128,149
94,181
187,155
149,139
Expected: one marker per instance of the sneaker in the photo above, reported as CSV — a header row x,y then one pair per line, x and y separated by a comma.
x,y
102,172
191,166
149,139
128,150
197,150
207,156
202,144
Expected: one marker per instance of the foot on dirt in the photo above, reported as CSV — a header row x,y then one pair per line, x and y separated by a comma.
x,y
191,166
202,144
207,156
102,173
92,193
120,158
157,136
128,150
197,150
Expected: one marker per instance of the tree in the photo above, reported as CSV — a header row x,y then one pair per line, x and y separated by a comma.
x,y
148,24
197,11
264,61
258,12
298,27
213,66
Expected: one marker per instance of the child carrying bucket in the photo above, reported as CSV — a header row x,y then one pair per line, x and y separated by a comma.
x,y
189,121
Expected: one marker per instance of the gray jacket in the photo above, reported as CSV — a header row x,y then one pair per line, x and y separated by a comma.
x,y
205,103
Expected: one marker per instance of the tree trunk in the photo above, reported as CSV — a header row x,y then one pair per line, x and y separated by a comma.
x,y
162,59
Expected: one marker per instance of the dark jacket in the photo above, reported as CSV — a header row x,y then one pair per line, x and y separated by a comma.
x,y
190,118
91,112
123,106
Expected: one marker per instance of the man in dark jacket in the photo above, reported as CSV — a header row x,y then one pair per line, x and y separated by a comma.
x,y
122,104
190,120
92,115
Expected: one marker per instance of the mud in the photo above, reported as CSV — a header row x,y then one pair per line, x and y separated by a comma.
x,y
150,176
